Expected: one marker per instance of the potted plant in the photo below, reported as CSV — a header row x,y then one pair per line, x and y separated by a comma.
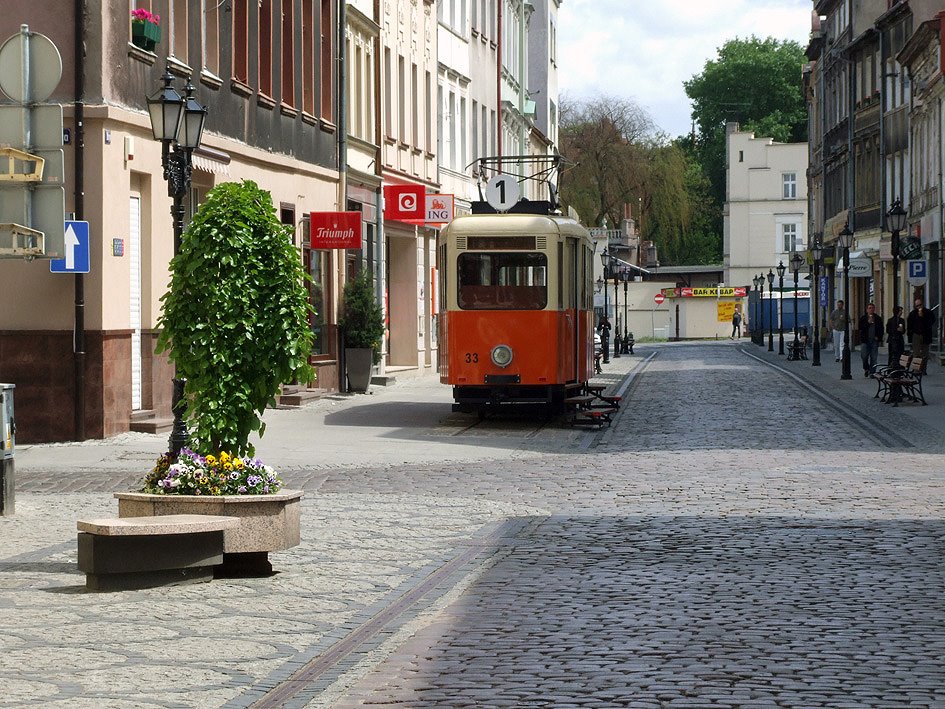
x,y
362,326
145,29
235,322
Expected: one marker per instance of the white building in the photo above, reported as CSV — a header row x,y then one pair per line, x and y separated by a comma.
x,y
765,214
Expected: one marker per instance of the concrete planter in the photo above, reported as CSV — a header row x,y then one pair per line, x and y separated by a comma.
x,y
359,361
267,523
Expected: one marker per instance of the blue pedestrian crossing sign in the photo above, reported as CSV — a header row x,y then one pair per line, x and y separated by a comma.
x,y
77,250
918,271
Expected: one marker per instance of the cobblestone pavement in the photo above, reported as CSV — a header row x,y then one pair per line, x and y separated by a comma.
x,y
711,548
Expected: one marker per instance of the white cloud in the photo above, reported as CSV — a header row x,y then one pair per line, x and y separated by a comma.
x,y
646,50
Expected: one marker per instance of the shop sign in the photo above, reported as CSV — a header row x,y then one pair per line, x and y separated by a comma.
x,y
861,267
335,230
405,202
439,209
724,292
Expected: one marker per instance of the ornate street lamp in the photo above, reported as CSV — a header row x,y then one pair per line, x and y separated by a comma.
x,y
616,274
796,261
177,121
625,277
896,221
605,260
770,314
845,239
756,311
816,253
781,269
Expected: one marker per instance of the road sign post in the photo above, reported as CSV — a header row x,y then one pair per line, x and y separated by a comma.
x,y
76,259
659,298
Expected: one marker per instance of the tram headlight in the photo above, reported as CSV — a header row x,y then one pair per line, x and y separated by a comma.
x,y
502,355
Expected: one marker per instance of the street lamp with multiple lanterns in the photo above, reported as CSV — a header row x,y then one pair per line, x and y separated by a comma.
x,y
177,121
845,239
816,252
896,221
780,269
796,261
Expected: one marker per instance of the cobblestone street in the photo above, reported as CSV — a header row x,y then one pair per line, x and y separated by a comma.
x,y
734,539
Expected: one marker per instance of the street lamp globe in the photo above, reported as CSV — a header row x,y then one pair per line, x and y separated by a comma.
x,y
195,114
845,237
166,107
796,262
816,252
897,217
781,269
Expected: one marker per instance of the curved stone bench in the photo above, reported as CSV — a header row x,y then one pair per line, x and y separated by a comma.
x,y
126,553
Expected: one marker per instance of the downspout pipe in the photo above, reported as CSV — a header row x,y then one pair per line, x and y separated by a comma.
x,y
79,203
342,106
498,83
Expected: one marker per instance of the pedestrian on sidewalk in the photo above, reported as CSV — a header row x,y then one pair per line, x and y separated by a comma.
x,y
871,337
736,325
896,335
920,327
838,324
604,329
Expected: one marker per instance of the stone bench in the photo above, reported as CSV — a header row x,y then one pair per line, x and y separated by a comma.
x,y
143,552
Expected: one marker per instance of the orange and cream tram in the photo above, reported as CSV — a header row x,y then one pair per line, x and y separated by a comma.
x,y
516,321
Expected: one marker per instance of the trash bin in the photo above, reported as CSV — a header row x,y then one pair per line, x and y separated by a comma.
x,y
7,449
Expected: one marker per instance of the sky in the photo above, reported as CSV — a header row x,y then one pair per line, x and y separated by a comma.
x,y
645,49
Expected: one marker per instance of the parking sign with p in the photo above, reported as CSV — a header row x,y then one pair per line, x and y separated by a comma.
x,y
918,271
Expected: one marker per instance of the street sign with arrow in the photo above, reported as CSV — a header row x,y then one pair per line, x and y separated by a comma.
x,y
77,250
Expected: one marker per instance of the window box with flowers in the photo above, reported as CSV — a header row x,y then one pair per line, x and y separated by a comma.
x,y
145,29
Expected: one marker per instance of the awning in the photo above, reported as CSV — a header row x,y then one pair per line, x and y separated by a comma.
x,y
215,162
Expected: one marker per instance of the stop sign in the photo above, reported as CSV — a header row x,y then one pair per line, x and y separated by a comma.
x,y
659,298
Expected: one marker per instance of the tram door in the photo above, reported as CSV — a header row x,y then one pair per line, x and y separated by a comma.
x,y
572,294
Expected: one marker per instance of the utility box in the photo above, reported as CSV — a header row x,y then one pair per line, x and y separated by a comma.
x,y
7,449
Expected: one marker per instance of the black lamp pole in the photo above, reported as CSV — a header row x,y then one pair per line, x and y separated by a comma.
x,y
754,312
897,222
770,313
846,241
616,301
177,120
781,269
796,261
604,257
625,274
816,252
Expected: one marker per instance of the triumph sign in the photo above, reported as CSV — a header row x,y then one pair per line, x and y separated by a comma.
x,y
335,230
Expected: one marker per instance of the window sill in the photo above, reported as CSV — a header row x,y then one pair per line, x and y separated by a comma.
x,y
389,140
326,125
238,87
265,101
142,55
210,79
309,118
178,67
287,110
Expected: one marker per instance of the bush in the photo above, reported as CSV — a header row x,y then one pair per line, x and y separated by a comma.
x,y
235,320
362,318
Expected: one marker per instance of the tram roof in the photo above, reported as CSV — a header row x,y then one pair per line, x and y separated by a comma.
x,y
515,223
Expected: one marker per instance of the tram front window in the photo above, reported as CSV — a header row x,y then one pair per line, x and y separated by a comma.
x,y
503,281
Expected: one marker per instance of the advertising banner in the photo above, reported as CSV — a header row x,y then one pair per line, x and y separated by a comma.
x,y
335,230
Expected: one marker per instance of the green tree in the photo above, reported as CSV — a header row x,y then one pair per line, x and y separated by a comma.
x,y
756,82
235,320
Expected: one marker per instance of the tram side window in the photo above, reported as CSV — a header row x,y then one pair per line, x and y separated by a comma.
x,y
502,281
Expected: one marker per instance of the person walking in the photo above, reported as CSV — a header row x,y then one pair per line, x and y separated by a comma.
x,y
603,328
896,335
736,325
838,325
871,337
920,327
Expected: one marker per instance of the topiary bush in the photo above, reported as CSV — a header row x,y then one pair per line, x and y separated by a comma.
x,y
235,320
362,318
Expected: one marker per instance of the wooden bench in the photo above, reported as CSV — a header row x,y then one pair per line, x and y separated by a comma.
x,y
126,553
881,373
797,350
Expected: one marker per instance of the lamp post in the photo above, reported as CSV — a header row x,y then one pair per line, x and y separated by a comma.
x,y
896,221
796,261
770,314
177,121
781,269
604,257
816,252
616,274
759,333
625,277
754,312
845,238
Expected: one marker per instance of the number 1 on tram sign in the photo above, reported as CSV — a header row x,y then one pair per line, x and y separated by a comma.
x,y
659,298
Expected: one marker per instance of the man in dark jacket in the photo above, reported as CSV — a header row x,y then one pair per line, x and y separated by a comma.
x,y
871,337
920,327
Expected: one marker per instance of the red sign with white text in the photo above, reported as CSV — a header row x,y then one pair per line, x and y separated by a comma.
x,y
403,202
335,230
